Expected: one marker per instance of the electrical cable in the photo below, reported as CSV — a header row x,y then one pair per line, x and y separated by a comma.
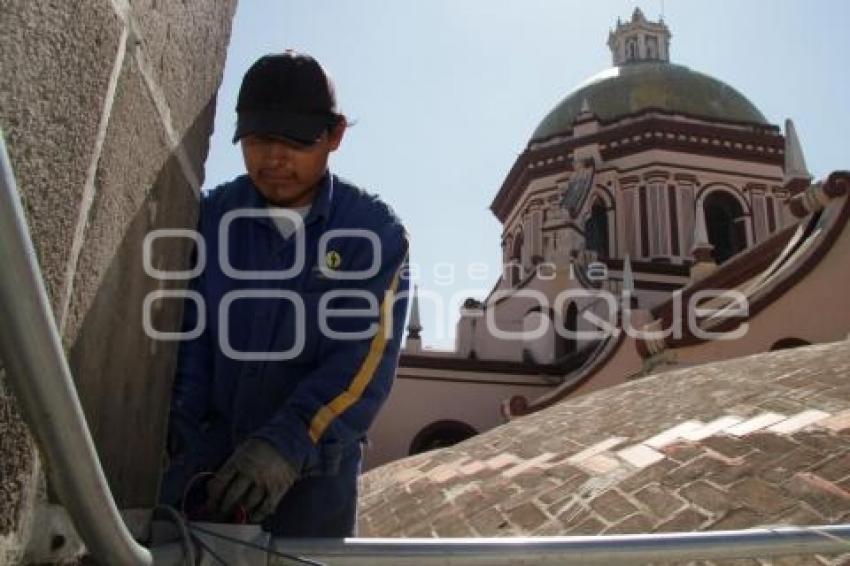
x,y
183,524
277,553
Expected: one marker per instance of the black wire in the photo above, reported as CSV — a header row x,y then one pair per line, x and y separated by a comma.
x,y
279,554
189,485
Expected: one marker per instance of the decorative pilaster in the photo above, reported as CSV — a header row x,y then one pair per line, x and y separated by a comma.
x,y
629,283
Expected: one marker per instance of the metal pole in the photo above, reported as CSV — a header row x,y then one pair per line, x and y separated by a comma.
x,y
585,550
41,380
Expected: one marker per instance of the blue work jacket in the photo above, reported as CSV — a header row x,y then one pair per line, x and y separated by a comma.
x,y
232,381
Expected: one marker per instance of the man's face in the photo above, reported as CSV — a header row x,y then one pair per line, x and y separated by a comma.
x,y
287,172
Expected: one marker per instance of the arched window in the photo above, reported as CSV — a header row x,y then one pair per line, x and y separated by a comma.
x,y
724,221
596,230
787,343
440,434
565,341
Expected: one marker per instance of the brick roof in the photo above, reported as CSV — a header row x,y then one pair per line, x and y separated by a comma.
x,y
762,440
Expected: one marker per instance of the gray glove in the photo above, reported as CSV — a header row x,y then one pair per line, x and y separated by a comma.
x,y
255,475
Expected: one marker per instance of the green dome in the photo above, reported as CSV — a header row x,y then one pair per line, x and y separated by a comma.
x,y
633,87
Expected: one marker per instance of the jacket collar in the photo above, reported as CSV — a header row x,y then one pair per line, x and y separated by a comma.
x,y
320,208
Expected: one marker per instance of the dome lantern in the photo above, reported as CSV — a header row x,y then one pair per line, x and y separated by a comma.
x,y
639,40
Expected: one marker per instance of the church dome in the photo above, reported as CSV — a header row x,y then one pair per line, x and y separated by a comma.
x,y
642,78
642,85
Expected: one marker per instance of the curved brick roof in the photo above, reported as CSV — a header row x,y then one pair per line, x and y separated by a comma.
x,y
762,440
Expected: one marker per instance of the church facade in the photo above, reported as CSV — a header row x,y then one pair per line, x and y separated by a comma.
x,y
656,219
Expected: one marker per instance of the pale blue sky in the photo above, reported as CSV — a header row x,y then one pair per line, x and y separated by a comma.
x,y
446,93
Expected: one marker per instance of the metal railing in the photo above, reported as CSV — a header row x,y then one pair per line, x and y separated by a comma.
x,y
583,550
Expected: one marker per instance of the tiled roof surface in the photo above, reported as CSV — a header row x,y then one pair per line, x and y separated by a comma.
x,y
762,440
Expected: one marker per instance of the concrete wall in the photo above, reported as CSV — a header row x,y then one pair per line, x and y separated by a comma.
x,y
107,108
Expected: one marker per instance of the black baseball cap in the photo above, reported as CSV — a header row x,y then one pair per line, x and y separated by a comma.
x,y
286,94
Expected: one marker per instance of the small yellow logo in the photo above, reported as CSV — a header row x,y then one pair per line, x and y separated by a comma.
x,y
333,259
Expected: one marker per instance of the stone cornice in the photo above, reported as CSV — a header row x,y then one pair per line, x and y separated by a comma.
x,y
763,144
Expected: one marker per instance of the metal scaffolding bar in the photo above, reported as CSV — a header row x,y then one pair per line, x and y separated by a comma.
x,y
584,550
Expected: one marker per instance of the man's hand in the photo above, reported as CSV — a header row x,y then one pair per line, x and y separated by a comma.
x,y
255,475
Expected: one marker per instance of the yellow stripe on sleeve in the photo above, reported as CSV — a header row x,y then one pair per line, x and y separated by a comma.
x,y
364,375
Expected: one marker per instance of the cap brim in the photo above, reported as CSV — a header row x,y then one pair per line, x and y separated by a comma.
x,y
305,128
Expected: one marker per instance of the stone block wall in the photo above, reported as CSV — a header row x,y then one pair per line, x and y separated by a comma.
x,y
106,107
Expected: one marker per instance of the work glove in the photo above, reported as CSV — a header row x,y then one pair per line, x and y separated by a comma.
x,y
255,476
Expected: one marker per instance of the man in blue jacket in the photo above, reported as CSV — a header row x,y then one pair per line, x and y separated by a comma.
x,y
297,317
